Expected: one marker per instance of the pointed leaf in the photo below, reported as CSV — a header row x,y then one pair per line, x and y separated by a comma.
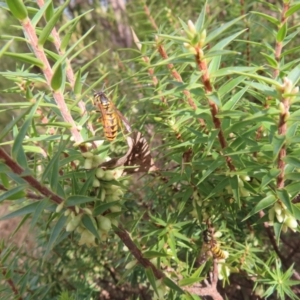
x,y
17,8
172,285
55,232
78,199
16,191
57,78
264,203
201,19
269,18
214,34
152,279
269,177
26,58
230,104
282,32
89,224
277,142
40,13
100,209
5,47
51,23
285,199
28,209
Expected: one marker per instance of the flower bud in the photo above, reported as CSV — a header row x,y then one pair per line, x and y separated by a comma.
x,y
96,182
100,173
59,207
108,175
291,222
191,26
88,164
130,265
104,223
87,155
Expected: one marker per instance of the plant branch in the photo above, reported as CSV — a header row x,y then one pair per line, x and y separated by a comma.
x,y
178,78
279,45
137,253
69,70
48,73
202,65
17,169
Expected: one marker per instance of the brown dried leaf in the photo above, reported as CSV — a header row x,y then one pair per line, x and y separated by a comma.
x,y
138,157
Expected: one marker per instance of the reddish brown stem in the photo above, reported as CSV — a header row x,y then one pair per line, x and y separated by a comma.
x,y
202,65
137,253
177,77
17,169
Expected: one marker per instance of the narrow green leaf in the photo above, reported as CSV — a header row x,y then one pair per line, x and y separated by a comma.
x,y
293,161
63,58
78,84
16,191
78,199
212,167
264,203
189,281
5,47
100,209
294,75
235,189
26,58
51,23
215,33
88,183
271,60
17,8
230,85
201,19
49,11
172,285
281,34
296,210
48,170
39,211
285,199
294,8
55,232
16,149
40,13
230,104
90,225
153,254
67,36
277,230
259,78
21,211
273,20
66,25
57,78
277,143
20,225
269,177
174,38
152,279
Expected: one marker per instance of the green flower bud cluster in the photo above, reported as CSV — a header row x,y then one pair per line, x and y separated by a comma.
x,y
283,216
197,38
243,192
287,90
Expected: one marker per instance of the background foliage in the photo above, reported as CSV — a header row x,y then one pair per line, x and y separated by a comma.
x,y
213,88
